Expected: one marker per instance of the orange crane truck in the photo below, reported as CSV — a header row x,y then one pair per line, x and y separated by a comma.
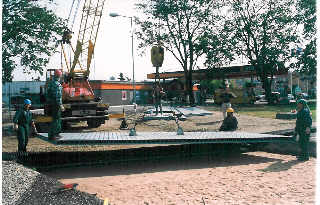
x,y
78,98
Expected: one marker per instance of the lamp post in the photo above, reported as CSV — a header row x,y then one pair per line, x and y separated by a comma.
x,y
133,81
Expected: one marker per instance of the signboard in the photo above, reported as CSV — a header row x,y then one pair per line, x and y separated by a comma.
x,y
157,55
124,95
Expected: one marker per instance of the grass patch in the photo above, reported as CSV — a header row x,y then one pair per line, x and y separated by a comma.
x,y
266,111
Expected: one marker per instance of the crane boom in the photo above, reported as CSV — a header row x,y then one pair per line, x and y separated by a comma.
x,y
89,27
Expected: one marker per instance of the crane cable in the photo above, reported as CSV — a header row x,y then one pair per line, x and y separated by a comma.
x,y
70,11
75,13
68,22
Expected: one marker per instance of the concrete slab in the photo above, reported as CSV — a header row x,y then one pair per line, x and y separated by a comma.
x,y
118,138
186,111
193,111
164,116
165,109
167,114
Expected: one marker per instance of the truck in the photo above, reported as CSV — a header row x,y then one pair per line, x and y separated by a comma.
x,y
243,96
78,98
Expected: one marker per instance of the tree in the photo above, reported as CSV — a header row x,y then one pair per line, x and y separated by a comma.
x,y
262,31
307,15
211,85
181,27
29,36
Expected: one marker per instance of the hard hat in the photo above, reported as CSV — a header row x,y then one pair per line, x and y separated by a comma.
x,y
57,72
27,102
230,109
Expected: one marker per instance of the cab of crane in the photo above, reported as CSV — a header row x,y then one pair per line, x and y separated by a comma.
x,y
50,75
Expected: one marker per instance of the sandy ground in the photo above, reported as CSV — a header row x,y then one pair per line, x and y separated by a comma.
x,y
250,178
247,178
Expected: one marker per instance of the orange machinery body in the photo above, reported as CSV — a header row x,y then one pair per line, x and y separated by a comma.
x,y
78,100
77,90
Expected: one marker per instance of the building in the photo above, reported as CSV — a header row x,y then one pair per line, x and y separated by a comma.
x,y
15,92
112,92
121,92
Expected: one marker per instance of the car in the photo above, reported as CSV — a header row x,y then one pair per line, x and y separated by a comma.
x,y
260,97
304,96
274,98
290,97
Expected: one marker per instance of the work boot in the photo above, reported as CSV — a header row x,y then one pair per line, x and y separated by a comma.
x,y
56,137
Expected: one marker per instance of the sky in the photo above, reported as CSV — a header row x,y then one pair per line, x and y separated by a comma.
x,y
113,46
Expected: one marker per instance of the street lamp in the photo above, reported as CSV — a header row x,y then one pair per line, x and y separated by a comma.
x,y
133,81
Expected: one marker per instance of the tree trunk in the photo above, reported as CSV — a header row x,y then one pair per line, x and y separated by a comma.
x,y
267,88
266,83
188,75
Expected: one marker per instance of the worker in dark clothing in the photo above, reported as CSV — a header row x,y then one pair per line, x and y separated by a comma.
x,y
158,94
54,100
226,96
22,124
230,123
303,126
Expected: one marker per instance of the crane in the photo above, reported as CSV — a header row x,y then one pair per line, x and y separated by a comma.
x,y
77,96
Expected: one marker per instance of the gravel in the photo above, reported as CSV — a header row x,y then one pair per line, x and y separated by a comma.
x,y
23,186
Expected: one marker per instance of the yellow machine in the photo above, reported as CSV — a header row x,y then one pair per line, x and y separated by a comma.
x,y
243,96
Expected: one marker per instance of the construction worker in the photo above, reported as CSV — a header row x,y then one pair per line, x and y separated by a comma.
x,y
230,123
54,100
226,100
158,94
22,123
303,128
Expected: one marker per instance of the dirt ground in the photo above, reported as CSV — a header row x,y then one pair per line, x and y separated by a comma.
x,y
247,178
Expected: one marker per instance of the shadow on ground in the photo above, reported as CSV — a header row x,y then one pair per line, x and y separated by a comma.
x,y
209,123
279,166
141,160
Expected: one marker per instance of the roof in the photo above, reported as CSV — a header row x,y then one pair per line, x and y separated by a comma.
x,y
216,73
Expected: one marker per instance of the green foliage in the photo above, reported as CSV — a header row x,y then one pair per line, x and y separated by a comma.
x,y
29,36
181,27
261,31
307,16
211,85
307,62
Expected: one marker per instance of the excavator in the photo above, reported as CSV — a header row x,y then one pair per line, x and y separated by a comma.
x,y
78,98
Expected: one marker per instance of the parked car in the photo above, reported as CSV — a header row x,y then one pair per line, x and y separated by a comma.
x,y
275,98
290,97
303,96
260,97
